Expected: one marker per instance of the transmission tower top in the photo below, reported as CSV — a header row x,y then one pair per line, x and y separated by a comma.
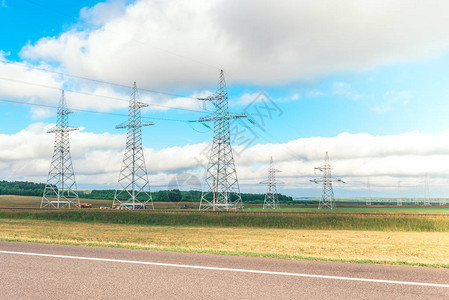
x,y
222,187
134,113
62,119
221,103
271,197
327,194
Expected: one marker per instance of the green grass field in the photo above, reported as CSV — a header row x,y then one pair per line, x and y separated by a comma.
x,y
365,209
229,219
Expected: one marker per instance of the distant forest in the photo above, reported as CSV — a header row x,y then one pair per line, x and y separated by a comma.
x,y
21,188
25,188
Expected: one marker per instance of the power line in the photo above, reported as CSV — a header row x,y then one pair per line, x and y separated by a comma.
x,y
22,65
89,111
96,95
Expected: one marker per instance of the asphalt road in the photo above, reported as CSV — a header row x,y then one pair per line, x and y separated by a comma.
x,y
39,271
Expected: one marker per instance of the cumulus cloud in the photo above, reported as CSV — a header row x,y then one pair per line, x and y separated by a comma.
x,y
172,43
102,12
14,74
42,85
246,99
354,157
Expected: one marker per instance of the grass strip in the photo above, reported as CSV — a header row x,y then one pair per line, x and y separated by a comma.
x,y
231,253
251,220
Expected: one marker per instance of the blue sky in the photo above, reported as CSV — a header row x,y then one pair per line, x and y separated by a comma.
x,y
355,73
24,21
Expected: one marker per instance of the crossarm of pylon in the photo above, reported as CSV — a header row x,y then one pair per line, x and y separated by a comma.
x,y
320,168
320,180
268,181
209,98
226,117
140,105
147,123
126,125
59,129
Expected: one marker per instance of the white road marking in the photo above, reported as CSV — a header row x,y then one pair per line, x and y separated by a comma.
x,y
229,269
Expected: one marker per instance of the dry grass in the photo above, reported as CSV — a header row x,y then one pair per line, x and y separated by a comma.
x,y
19,201
419,248
12,201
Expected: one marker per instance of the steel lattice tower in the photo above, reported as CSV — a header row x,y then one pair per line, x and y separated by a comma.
x,y
399,200
327,194
271,197
368,192
134,187
60,190
222,189
426,201
415,196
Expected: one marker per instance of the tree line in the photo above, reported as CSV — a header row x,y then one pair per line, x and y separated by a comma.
x,y
179,196
25,188
21,188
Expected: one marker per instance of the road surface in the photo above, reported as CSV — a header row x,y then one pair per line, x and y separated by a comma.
x,y
39,271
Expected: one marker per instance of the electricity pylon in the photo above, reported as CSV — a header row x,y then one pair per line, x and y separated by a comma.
x,y
222,189
60,190
327,194
426,201
399,199
271,197
134,188
415,197
368,192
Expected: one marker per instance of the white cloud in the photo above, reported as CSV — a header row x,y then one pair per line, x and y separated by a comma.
x,y
97,159
3,4
13,74
246,99
25,83
258,97
102,12
168,43
38,113
392,99
344,89
315,93
294,97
